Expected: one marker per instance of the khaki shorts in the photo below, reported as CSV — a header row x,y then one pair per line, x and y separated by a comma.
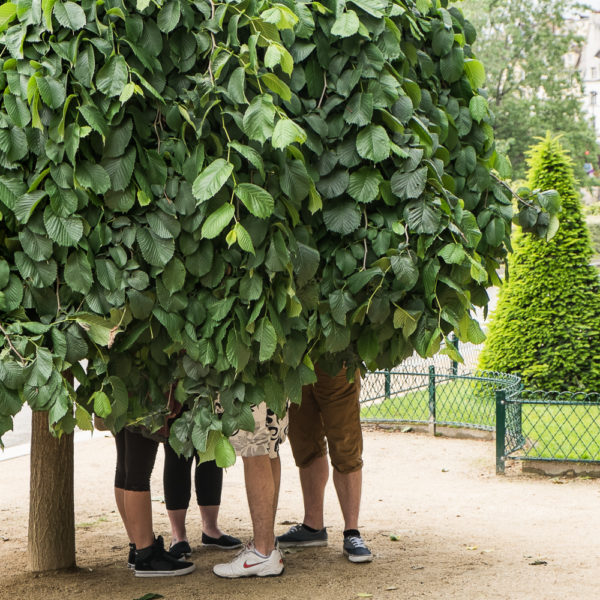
x,y
328,415
269,433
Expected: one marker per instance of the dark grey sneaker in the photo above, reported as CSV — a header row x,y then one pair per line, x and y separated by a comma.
x,y
356,550
225,542
155,561
299,535
181,550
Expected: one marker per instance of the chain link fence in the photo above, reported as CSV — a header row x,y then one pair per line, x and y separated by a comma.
x,y
532,425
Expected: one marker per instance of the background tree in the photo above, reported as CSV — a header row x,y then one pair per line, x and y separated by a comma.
x,y
532,84
546,327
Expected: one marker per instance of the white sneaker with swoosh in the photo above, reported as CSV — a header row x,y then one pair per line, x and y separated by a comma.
x,y
250,564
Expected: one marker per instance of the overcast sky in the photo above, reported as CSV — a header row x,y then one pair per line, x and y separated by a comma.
x,y
593,3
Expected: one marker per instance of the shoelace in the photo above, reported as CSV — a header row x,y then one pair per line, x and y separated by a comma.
x,y
356,541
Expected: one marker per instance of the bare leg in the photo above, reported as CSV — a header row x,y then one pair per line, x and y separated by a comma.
x,y
177,520
276,471
138,516
261,489
348,487
209,516
120,498
313,480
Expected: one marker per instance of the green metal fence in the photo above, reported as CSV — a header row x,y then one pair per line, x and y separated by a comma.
x,y
548,426
532,425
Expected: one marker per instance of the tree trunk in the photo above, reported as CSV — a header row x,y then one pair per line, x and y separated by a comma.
x,y
51,542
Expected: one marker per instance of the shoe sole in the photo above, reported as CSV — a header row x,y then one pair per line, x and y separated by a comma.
x,y
358,559
307,544
176,573
249,575
222,547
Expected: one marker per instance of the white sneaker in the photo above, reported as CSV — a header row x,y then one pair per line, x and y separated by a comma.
x,y
250,564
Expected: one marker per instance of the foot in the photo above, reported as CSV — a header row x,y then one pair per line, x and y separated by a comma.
x,y
248,563
299,535
131,557
155,561
180,550
355,549
223,542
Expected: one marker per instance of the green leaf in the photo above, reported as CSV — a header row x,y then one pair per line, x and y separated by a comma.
x,y
453,254
156,251
174,275
257,200
8,12
343,217
69,15
422,217
65,231
475,73
94,118
217,221
16,108
373,143
78,273
251,155
243,238
169,16
266,336
364,184
237,85
359,110
478,107
51,91
259,118
277,86
120,169
101,404
224,453
409,185
113,76
94,177
287,132
346,24
212,179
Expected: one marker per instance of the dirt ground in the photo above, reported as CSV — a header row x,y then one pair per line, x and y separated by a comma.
x,y
462,532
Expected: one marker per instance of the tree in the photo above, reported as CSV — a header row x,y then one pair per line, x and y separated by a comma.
x,y
546,327
212,196
533,83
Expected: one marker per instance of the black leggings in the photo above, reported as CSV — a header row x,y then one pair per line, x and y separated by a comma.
x,y
135,461
177,481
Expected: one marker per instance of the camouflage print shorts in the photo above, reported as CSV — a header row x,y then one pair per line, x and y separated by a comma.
x,y
269,432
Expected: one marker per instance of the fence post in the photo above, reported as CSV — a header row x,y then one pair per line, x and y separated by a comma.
x,y
454,342
432,399
500,431
388,385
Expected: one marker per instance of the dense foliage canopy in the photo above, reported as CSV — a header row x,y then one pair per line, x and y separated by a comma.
x,y
221,193
547,324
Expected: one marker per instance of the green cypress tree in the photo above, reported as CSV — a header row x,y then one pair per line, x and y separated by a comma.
x,y
547,323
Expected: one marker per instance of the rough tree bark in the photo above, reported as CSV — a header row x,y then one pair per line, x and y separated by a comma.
x,y
51,543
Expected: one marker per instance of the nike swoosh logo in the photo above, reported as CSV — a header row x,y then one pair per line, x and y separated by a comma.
x,y
247,566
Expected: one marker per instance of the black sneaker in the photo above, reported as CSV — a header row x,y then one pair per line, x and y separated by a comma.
x,y
155,561
225,542
181,550
356,550
131,557
299,535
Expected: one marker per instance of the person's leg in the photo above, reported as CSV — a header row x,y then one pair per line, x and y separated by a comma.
x,y
208,480
177,485
120,480
260,490
349,487
313,479
138,508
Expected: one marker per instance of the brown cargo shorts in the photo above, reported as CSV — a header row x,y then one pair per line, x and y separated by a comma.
x,y
329,415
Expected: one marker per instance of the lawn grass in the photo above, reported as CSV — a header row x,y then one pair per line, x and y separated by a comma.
x,y
558,431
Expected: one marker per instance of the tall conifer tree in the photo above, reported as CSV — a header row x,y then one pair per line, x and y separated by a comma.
x,y
547,323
